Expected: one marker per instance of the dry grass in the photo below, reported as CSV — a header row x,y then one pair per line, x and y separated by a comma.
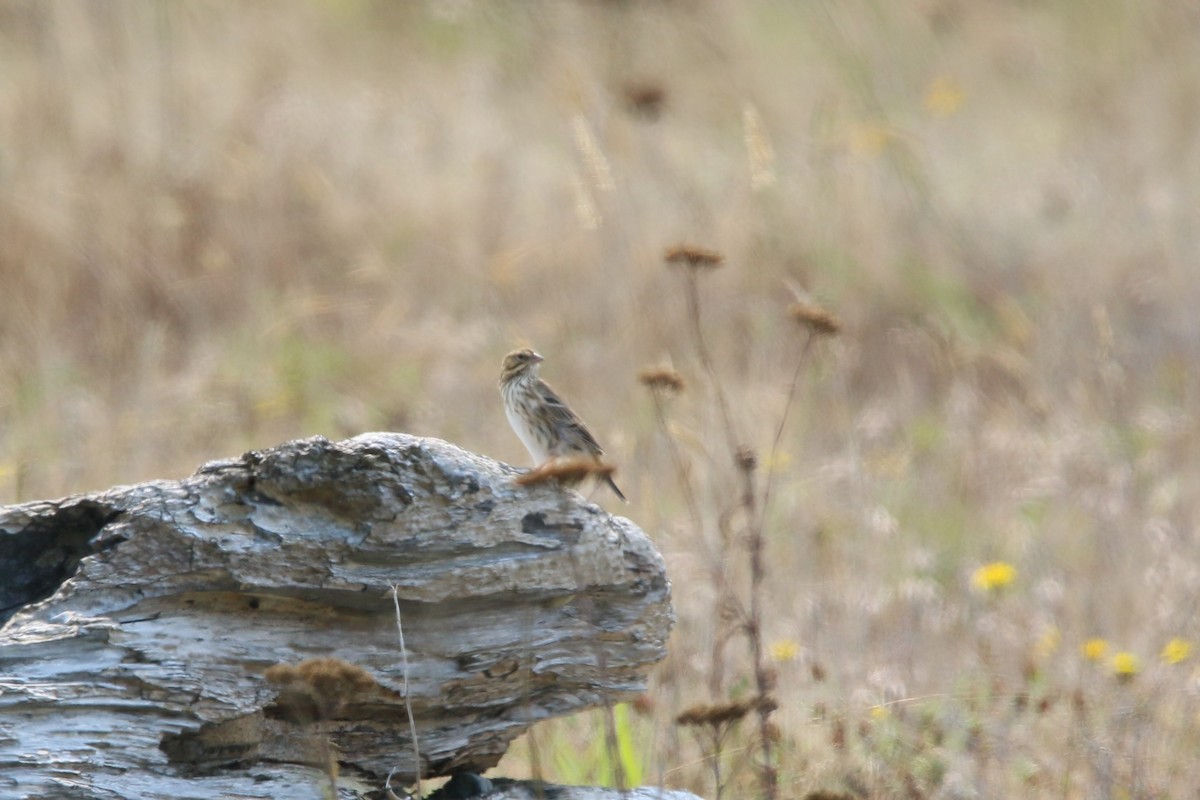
x,y
225,225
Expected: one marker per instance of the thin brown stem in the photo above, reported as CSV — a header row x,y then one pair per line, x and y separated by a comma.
x,y
783,418
756,542
412,724
763,678
681,472
693,303
717,563
718,743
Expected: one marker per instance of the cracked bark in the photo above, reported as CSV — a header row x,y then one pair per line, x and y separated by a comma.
x,y
139,622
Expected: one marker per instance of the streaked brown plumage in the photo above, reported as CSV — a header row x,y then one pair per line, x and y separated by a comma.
x,y
546,425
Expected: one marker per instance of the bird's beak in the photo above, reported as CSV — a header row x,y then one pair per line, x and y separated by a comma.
x,y
538,358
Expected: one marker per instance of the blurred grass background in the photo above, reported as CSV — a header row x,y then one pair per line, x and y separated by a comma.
x,y
224,225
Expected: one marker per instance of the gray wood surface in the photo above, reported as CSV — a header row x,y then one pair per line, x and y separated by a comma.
x,y
141,622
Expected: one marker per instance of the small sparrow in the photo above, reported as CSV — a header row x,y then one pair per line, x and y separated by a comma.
x,y
547,427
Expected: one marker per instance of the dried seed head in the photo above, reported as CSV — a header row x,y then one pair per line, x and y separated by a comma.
x,y
713,715
643,704
645,98
725,713
333,678
662,378
567,471
296,702
837,734
765,703
281,673
693,257
823,794
817,320
314,688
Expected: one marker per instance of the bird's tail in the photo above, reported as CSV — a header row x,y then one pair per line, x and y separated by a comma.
x,y
613,485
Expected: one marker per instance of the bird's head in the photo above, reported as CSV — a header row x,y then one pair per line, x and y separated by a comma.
x,y
519,362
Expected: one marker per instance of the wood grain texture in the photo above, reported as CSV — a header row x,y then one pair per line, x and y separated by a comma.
x,y
141,620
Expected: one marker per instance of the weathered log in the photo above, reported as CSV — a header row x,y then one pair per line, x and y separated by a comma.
x,y
502,789
144,621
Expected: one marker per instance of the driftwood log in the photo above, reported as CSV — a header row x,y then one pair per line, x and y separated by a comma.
x,y
141,624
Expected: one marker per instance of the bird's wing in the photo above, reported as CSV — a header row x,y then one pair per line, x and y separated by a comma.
x,y
566,420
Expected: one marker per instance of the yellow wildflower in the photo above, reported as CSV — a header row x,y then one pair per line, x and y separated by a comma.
x,y
1176,650
943,97
1126,665
994,576
869,138
785,650
1095,649
1048,642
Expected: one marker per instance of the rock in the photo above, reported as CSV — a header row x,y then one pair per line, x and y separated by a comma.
x,y
142,622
